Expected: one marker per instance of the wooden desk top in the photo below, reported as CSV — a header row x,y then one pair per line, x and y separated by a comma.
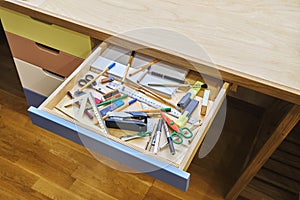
x,y
254,44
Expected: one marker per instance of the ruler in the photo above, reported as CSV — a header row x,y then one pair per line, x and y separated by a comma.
x,y
145,99
88,97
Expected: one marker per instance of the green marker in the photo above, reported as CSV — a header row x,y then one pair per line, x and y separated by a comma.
x,y
109,101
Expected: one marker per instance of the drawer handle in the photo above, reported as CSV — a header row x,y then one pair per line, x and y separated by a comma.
x,y
42,21
54,75
47,48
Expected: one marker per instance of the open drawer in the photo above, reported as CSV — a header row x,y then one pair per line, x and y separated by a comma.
x,y
163,165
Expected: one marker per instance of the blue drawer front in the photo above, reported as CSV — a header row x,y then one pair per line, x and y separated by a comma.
x,y
33,98
116,151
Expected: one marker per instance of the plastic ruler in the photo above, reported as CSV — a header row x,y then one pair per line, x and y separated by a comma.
x,y
84,99
145,99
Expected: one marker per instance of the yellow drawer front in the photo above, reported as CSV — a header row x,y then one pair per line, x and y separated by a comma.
x,y
51,35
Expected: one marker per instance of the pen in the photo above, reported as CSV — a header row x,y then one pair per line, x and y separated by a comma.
x,y
157,136
125,105
143,74
109,101
170,142
154,110
177,85
144,67
128,66
96,77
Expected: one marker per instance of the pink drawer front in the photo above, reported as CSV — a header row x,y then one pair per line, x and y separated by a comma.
x,y
40,55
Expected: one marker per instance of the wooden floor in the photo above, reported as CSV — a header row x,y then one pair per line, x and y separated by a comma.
x,y
37,164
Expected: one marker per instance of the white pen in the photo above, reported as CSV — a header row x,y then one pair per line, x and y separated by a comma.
x,y
158,133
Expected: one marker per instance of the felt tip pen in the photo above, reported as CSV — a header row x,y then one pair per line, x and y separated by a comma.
x,y
109,101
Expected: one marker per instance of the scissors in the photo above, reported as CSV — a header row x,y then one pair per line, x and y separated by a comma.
x,y
179,133
88,78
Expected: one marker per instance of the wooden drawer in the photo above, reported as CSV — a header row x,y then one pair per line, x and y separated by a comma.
x,y
50,35
40,55
163,166
36,79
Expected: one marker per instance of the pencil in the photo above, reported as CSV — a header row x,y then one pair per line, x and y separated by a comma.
x,y
128,66
154,110
177,85
144,67
96,77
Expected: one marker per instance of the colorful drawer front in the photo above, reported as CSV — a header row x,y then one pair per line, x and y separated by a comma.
x,y
51,35
36,79
40,55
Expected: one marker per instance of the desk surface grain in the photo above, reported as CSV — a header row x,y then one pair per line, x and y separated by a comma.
x,y
257,41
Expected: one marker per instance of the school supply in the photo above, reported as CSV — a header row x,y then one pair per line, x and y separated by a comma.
x,y
119,70
107,102
84,81
157,136
111,107
148,101
144,67
133,121
179,133
205,100
84,99
107,79
135,136
204,85
169,140
78,103
96,77
128,66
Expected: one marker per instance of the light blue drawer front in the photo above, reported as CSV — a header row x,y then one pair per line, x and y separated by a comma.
x,y
116,151
33,98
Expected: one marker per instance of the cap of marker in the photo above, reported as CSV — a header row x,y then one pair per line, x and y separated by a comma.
x,y
111,65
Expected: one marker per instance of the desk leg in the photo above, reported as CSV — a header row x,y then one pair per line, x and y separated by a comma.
x,y
280,133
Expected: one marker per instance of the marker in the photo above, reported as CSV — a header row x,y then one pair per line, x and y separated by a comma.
x,y
109,101
205,102
125,105
110,94
128,66
96,77
157,136
144,67
107,79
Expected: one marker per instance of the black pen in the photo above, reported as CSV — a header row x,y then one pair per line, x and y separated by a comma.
x,y
169,139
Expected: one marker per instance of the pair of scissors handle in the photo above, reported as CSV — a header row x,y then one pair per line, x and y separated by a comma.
x,y
88,78
185,132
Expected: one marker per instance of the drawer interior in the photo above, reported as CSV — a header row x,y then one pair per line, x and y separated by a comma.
x,y
185,151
